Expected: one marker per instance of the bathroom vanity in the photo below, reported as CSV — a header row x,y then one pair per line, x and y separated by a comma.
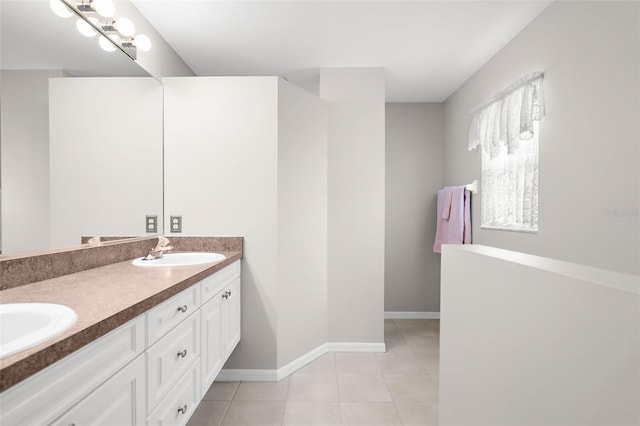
x,y
147,344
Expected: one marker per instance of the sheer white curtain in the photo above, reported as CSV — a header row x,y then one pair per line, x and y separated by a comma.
x,y
506,127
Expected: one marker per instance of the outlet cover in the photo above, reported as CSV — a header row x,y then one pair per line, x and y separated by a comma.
x,y
175,223
151,224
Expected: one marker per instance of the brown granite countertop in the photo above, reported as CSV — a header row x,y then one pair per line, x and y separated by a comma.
x,y
104,298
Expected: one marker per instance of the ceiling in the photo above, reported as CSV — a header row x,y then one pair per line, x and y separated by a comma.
x,y
428,48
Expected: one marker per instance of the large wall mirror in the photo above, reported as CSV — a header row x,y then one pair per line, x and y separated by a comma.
x,y
80,134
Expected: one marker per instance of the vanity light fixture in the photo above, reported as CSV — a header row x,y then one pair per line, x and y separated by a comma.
x,y
60,9
115,32
125,27
104,8
142,42
106,45
85,29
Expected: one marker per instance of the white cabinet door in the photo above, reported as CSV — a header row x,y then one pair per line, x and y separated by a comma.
x,y
212,355
231,318
119,401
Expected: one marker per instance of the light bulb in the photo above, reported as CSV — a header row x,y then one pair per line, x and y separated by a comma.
x,y
106,45
125,27
104,8
85,29
143,42
60,9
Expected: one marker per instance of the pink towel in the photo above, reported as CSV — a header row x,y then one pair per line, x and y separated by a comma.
x,y
467,217
445,199
454,218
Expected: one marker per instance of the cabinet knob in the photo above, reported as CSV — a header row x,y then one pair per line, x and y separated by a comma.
x,y
225,296
182,409
182,353
182,308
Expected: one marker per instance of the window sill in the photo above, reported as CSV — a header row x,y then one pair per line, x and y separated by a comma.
x,y
511,229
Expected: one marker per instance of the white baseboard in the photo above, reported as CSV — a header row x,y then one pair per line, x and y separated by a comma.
x,y
412,315
355,347
300,362
249,375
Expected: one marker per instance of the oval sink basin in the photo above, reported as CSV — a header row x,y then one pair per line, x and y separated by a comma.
x,y
181,259
23,325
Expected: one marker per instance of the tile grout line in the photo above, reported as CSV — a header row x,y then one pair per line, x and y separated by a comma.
x,y
226,410
286,400
233,397
335,371
422,365
395,407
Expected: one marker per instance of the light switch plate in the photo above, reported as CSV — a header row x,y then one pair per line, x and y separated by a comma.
x,y
151,223
175,222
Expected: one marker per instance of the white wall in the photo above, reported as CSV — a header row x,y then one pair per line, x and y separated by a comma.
x,y
356,202
24,156
221,175
414,143
526,340
105,156
246,156
302,223
589,151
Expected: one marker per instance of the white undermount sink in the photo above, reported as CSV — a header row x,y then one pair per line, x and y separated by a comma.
x,y
181,259
23,325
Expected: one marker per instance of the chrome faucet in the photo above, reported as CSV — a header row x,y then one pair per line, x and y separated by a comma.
x,y
158,251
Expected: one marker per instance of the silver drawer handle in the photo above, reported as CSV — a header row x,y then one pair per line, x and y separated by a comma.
x,y
183,353
182,409
182,308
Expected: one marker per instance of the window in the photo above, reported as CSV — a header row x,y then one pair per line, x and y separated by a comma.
x,y
506,128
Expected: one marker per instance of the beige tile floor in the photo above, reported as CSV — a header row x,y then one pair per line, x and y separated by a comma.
x,y
399,387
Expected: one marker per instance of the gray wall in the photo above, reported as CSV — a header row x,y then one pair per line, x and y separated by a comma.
x,y
589,179
302,223
355,203
414,143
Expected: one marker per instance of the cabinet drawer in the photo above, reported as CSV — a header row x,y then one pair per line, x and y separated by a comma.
x,y
48,394
171,312
215,283
170,357
119,401
179,405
